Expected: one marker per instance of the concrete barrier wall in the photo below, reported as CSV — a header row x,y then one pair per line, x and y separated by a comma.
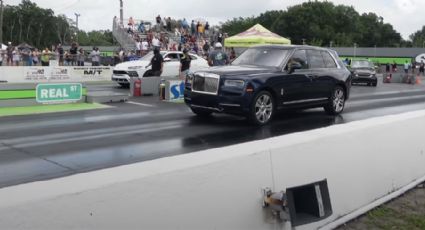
x,y
364,163
38,74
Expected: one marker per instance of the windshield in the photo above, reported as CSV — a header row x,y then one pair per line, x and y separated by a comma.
x,y
262,57
361,64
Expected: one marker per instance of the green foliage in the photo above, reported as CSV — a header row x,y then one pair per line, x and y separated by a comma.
x,y
322,23
40,27
418,38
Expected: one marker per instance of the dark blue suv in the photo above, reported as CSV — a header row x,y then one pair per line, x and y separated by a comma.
x,y
266,78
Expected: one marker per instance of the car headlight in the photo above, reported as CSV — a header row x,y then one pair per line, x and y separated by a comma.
x,y
135,67
234,83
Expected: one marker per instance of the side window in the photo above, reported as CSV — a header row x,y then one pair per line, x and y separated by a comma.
x,y
300,56
329,61
316,59
173,56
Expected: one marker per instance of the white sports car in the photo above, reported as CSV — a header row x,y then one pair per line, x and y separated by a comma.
x,y
122,72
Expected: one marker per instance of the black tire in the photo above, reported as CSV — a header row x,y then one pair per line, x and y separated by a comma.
x,y
336,102
262,108
201,112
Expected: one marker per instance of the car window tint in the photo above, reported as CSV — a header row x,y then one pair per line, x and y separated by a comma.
x,y
316,59
329,61
301,57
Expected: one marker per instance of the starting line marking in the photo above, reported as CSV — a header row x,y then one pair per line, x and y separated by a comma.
x,y
140,104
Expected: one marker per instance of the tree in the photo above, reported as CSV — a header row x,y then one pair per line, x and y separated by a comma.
x,y
322,23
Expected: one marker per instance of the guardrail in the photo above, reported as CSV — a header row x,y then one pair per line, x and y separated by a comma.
x,y
357,166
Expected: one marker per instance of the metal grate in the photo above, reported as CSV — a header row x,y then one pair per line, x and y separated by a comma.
x,y
203,84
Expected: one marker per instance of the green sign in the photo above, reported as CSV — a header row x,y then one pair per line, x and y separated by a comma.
x,y
59,93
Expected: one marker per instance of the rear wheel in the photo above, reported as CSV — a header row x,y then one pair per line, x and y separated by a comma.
x,y
336,102
262,108
201,112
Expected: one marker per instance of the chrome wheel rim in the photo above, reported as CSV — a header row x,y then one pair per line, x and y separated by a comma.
x,y
263,108
339,100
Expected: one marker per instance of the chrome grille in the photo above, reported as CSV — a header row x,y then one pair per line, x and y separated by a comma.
x,y
205,84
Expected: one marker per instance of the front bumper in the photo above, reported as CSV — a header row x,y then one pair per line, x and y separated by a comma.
x,y
364,79
221,103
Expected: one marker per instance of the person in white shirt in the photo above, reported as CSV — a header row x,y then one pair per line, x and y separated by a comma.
x,y
145,47
95,56
138,48
156,43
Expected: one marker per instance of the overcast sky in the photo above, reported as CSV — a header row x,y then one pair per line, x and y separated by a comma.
x,y
407,16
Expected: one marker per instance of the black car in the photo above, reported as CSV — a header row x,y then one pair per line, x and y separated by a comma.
x,y
266,78
363,72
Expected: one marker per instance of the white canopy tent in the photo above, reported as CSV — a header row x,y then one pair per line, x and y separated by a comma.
x,y
3,47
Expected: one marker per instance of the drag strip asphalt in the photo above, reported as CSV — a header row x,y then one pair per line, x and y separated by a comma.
x,y
45,146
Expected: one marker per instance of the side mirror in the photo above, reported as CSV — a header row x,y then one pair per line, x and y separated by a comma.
x,y
294,66
167,59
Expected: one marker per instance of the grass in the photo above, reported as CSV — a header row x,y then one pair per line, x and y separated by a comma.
x,y
40,109
390,218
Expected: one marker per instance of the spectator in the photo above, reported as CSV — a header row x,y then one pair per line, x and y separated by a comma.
x,y
141,27
164,23
206,48
145,47
95,56
156,43
422,67
232,54
157,63
35,55
121,55
185,25
73,51
394,67
220,38
192,28
158,23
60,52
217,57
68,58
185,64
406,67
207,29
9,52
45,57
413,67
81,57
387,67
131,23
26,56
138,48
1,57
169,24
16,56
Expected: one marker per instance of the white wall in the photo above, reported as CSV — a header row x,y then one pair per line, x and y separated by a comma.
x,y
220,188
38,74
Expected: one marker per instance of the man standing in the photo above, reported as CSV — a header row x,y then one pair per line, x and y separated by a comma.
x,y
157,63
9,52
95,56
217,57
156,43
422,67
60,53
145,47
406,67
185,64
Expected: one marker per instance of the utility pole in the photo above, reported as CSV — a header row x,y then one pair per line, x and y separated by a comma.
x,y
1,22
77,15
121,13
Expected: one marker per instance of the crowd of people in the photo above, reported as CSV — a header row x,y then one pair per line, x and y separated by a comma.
x,y
28,56
413,67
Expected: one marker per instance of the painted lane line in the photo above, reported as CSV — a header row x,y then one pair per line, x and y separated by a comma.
x,y
141,104
386,100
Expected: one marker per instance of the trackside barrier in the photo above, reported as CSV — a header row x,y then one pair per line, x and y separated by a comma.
x,y
329,175
402,78
64,74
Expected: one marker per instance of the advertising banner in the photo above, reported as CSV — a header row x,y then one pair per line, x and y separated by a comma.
x,y
174,89
39,74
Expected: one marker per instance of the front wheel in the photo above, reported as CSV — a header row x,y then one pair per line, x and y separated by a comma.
x,y
336,102
262,108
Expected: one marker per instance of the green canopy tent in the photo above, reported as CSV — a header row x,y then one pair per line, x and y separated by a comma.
x,y
256,35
